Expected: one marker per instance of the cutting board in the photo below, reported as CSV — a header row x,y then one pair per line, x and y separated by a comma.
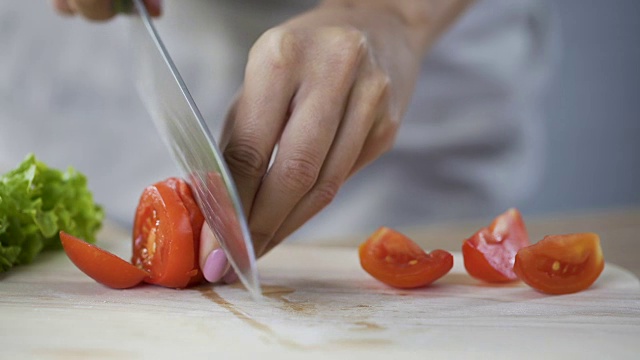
x,y
318,303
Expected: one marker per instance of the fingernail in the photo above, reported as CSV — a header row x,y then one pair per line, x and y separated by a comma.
x,y
230,277
215,265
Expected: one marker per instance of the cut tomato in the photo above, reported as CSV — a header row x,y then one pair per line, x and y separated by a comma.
x,y
396,260
197,220
101,265
166,242
490,253
166,234
561,264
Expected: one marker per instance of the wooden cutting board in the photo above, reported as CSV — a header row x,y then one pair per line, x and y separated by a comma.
x,y
318,303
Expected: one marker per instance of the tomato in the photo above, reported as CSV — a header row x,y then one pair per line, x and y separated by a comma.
x,y
561,264
166,242
101,265
197,220
396,260
166,234
490,253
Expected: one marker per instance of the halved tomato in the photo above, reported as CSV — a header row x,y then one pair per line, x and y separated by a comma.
x,y
166,234
490,253
396,260
166,242
561,264
100,265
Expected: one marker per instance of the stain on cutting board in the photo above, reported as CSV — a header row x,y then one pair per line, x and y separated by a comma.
x,y
278,293
367,326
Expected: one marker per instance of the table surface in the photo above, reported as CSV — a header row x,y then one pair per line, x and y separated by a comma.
x,y
319,303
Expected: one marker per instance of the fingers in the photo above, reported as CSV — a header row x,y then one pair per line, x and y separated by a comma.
x,y
367,106
379,141
302,151
259,114
213,261
317,111
324,102
62,7
100,10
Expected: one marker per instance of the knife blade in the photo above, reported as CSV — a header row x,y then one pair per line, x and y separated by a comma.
x,y
184,131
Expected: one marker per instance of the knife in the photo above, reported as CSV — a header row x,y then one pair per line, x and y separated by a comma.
x,y
194,150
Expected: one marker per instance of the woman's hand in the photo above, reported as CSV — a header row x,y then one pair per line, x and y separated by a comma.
x,y
100,10
327,89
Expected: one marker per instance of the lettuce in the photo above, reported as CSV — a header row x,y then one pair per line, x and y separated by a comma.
x,y
36,203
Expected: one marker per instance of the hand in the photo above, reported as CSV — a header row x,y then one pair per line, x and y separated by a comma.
x,y
99,10
326,89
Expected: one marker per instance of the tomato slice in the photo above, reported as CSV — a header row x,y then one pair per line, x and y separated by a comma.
x,y
197,220
101,265
490,253
396,260
166,234
561,264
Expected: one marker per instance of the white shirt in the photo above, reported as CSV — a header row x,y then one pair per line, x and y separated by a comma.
x,y
470,144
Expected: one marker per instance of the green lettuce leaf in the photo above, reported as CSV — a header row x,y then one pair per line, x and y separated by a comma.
x,y
36,203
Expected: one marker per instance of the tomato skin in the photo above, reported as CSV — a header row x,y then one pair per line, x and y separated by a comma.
x,y
561,264
197,220
166,234
166,242
101,265
490,253
394,259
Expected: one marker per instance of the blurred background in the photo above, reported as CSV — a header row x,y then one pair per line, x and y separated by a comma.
x,y
592,108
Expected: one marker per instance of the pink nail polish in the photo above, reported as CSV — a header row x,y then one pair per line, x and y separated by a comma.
x,y
215,265
230,277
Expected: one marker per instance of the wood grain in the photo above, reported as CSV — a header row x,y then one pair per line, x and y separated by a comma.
x,y
317,303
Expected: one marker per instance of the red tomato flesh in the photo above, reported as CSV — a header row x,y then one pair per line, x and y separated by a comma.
x,y
397,261
561,264
490,253
101,265
166,242
166,234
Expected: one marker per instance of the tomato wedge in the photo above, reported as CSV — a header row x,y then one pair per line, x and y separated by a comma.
x,y
561,264
397,261
166,242
102,266
490,253
166,234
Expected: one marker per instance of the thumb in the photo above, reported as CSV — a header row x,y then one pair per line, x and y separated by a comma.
x,y
213,261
